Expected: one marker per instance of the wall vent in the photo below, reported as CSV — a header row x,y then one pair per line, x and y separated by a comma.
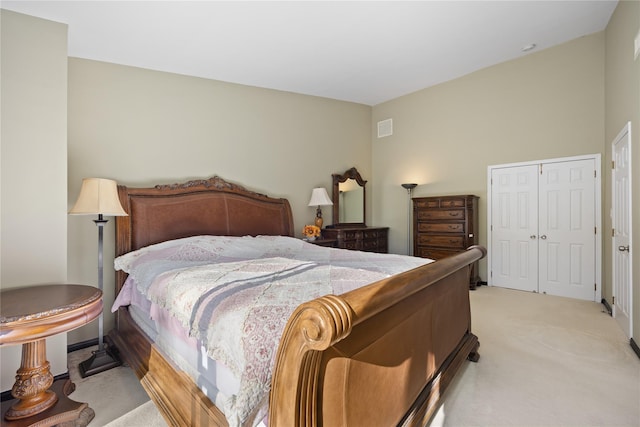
x,y
385,128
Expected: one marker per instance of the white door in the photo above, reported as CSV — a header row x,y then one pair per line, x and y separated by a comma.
x,y
567,229
544,227
621,223
514,227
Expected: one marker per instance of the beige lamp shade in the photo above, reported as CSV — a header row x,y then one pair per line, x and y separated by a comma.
x,y
319,197
98,196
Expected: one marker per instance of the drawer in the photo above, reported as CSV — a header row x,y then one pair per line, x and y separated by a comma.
x,y
431,203
436,203
441,240
442,214
441,227
370,245
434,253
453,203
368,234
362,238
351,244
376,245
352,235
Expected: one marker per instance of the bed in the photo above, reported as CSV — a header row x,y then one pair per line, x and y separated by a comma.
x,y
377,343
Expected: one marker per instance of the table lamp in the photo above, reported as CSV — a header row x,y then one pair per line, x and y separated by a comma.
x,y
319,197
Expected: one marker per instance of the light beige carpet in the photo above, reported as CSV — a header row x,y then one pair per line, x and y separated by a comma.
x,y
145,415
110,393
545,361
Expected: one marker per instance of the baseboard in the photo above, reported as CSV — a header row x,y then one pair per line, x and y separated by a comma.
x,y
635,347
632,343
82,344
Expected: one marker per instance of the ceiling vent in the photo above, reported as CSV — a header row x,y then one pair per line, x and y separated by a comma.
x,y
385,128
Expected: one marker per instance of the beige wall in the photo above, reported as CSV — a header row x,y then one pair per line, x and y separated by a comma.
x,y
144,127
544,105
33,166
622,106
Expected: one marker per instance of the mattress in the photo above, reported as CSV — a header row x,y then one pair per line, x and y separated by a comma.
x,y
214,379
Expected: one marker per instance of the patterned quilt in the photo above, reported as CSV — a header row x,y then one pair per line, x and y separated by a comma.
x,y
235,294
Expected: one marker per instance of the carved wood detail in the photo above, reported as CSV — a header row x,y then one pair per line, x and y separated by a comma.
x,y
33,380
215,182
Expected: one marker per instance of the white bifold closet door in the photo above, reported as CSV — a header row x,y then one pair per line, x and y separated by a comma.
x,y
514,227
543,228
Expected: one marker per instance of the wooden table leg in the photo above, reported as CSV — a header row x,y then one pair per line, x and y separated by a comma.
x,y
33,381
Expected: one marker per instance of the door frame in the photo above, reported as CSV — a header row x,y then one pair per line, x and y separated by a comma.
x,y
626,130
597,158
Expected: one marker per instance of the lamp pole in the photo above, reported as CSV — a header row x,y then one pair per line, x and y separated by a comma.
x,y
409,187
101,359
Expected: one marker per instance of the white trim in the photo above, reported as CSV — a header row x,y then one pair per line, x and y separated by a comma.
x,y
598,211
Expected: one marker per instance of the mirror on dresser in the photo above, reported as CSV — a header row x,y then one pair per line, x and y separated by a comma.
x,y
349,229
348,199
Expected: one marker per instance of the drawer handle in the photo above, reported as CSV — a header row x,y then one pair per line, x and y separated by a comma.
x,y
454,214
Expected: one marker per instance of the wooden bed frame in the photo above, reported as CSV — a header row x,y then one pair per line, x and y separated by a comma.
x,y
379,355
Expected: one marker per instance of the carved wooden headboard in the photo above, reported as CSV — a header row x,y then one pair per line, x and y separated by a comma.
x,y
213,207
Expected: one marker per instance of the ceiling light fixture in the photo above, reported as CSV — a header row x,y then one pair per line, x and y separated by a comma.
x,y
529,47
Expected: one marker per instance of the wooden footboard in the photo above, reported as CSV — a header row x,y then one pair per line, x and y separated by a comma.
x,y
379,355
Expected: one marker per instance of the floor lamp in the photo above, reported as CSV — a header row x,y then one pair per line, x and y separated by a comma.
x,y
409,188
99,196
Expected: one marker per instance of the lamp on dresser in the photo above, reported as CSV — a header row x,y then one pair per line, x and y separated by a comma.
x,y
319,197
409,187
99,196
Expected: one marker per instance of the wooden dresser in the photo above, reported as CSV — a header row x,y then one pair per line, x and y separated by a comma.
x,y
445,225
370,239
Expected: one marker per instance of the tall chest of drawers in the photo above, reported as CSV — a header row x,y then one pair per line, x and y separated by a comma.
x,y
370,239
445,225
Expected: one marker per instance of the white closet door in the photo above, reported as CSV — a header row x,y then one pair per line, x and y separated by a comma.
x,y
567,229
514,223
543,225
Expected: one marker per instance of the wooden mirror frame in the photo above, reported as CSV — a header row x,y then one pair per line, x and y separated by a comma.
x,y
337,179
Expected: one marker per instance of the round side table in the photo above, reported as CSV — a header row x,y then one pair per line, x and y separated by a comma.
x,y
27,316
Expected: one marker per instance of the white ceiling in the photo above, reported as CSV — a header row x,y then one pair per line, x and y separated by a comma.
x,y
361,51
